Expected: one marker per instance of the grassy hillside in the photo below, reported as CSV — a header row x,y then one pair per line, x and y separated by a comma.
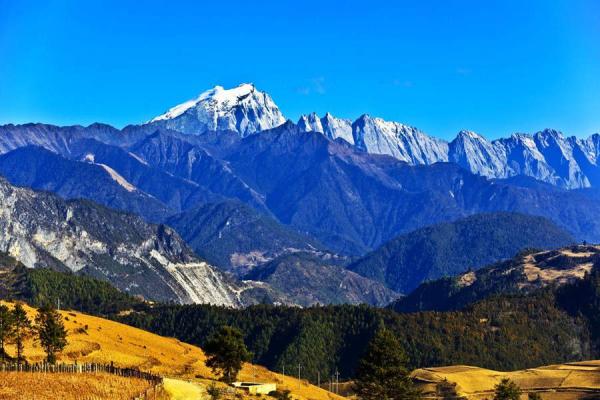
x,y
19,386
451,248
554,382
93,339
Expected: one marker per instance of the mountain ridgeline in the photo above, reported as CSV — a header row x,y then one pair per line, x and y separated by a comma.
x,y
261,199
452,248
348,200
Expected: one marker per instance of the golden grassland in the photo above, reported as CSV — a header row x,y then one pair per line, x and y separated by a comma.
x,y
27,386
554,382
97,340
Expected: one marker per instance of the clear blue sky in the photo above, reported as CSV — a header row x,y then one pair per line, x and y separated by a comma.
x,y
493,67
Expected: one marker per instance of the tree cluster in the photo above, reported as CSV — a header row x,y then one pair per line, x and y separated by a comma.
x,y
16,327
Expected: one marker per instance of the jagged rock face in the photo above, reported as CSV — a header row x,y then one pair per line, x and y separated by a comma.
x,y
477,154
42,230
547,156
329,125
376,136
243,109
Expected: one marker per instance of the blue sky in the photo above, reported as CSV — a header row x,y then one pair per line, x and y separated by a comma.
x,y
492,67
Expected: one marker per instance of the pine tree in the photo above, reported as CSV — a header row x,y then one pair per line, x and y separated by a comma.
x,y
51,332
6,330
226,352
22,329
507,390
381,373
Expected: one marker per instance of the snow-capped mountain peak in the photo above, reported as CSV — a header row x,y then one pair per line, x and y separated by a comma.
x,y
242,109
547,155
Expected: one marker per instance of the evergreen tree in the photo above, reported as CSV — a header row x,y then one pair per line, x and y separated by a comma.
x,y
22,328
381,373
51,332
6,330
507,390
226,352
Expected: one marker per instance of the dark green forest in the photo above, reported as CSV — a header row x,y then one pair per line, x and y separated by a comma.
x,y
502,332
42,286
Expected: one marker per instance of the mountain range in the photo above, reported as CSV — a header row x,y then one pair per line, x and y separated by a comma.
x,y
548,155
256,197
42,230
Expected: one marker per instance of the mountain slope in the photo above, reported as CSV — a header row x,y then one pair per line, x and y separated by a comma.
x,y
42,230
41,169
309,280
524,273
351,201
236,237
41,286
451,248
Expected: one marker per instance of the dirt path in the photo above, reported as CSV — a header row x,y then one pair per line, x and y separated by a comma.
x,y
183,390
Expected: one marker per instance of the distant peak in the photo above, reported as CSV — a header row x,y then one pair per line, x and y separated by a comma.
x,y
470,135
550,133
218,94
242,109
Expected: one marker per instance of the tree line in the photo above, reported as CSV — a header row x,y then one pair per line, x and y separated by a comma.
x,y
15,327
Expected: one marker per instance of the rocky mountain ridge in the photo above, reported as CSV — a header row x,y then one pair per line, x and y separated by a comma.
x,y
548,155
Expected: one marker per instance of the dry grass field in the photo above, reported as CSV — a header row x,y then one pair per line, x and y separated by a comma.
x,y
23,386
93,339
554,382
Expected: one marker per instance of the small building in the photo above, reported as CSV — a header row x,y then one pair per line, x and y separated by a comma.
x,y
255,388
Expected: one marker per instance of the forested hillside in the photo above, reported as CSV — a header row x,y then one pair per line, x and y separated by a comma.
x,y
500,333
449,249
43,286
524,273
503,332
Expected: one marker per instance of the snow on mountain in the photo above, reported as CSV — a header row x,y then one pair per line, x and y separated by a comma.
x,y
377,136
242,109
474,152
547,156
329,125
